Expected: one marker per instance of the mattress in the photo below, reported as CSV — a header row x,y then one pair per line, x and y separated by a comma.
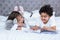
x,y
20,35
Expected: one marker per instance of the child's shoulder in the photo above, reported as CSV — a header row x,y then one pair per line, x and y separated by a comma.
x,y
9,21
52,19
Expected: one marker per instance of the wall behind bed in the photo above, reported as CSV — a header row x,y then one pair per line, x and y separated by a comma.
x,y
6,6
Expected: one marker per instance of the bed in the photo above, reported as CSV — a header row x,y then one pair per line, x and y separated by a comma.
x,y
20,35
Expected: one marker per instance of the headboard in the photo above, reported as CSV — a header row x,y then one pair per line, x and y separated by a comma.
x,y
6,6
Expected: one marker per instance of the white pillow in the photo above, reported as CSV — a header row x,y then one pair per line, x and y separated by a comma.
x,y
26,15
2,25
57,19
3,18
35,14
57,22
58,26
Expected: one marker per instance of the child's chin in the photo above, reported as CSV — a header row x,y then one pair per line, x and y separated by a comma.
x,y
44,22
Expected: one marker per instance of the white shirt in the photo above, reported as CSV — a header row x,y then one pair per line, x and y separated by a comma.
x,y
51,22
38,22
15,27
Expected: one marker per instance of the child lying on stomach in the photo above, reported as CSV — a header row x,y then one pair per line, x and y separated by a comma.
x,y
46,20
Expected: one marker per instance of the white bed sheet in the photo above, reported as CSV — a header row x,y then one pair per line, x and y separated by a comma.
x,y
17,35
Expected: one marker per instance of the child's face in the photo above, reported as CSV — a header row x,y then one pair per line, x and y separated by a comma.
x,y
44,17
20,20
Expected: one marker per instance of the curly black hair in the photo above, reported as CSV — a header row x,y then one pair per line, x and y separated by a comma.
x,y
46,9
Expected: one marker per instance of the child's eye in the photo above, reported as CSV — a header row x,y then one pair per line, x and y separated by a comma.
x,y
45,16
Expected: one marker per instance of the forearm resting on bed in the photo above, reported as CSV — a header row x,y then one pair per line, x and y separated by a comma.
x,y
53,28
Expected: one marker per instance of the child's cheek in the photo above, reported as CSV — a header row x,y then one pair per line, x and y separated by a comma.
x,y
46,19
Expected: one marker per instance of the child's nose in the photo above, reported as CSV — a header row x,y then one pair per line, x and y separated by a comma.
x,y
43,18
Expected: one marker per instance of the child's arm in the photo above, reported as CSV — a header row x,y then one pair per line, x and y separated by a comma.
x,y
52,28
9,24
52,24
35,27
14,27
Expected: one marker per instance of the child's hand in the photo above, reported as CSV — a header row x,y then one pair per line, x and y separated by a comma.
x,y
21,24
44,28
19,28
35,28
